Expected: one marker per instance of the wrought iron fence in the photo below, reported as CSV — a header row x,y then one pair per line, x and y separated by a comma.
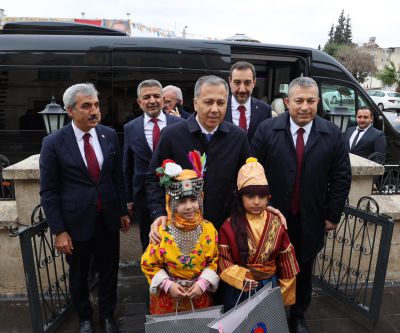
x,y
46,274
6,186
352,265
389,182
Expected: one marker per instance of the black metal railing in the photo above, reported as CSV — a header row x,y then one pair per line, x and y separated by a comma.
x,y
352,265
6,186
389,182
46,274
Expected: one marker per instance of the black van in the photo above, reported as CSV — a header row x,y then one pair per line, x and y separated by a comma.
x,y
40,60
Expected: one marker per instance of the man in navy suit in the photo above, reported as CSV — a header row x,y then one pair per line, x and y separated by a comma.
x,y
364,139
242,109
82,194
138,150
308,169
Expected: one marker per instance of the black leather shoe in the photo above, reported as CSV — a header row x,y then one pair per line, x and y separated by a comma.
x,y
298,325
109,325
85,326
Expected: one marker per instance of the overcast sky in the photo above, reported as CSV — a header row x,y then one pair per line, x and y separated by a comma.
x,y
290,22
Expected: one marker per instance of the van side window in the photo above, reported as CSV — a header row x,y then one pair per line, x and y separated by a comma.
x,y
338,98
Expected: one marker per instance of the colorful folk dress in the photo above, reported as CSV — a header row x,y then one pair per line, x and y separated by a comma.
x,y
184,257
271,257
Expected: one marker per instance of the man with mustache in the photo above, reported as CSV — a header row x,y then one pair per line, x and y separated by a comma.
x,y
82,194
242,109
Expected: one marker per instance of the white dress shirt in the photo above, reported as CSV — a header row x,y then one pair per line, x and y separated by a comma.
x,y
94,142
293,130
236,113
203,130
360,136
148,127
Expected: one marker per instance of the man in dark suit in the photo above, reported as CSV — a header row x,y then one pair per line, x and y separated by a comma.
x,y
364,139
242,109
82,194
225,145
173,102
308,170
139,135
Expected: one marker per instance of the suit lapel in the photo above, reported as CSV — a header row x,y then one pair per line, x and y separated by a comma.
x,y
72,146
253,116
312,138
103,141
228,114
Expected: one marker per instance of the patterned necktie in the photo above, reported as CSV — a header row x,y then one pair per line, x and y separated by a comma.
x,y
295,200
242,118
156,133
92,165
91,159
353,144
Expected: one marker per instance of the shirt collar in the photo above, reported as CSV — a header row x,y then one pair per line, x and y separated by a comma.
x,y
235,103
365,129
161,117
79,133
203,130
294,127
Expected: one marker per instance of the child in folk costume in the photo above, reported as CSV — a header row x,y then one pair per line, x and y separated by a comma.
x,y
182,268
254,247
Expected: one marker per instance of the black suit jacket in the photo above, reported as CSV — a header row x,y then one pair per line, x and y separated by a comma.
x,y
325,178
258,113
137,156
69,195
226,153
372,141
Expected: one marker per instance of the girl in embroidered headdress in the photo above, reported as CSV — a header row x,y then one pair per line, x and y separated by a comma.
x,y
254,247
182,268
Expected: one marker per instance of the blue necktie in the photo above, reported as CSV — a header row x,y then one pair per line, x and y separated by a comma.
x,y
209,137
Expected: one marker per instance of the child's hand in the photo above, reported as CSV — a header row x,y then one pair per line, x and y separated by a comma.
x,y
249,284
194,291
177,291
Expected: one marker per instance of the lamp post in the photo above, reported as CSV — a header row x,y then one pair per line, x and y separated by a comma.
x,y
53,116
340,116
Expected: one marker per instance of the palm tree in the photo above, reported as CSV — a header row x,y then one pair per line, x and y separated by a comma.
x,y
390,75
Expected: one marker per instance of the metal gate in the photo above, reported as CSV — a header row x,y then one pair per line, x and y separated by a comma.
x,y
46,274
352,265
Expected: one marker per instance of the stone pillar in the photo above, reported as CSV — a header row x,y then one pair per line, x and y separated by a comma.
x,y
362,176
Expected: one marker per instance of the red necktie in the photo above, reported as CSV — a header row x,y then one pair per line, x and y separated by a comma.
x,y
92,164
156,133
295,200
242,118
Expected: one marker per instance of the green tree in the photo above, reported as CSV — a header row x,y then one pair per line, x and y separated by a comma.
x,y
390,75
341,34
338,36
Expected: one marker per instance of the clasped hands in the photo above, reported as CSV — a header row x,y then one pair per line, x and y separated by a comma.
x,y
177,291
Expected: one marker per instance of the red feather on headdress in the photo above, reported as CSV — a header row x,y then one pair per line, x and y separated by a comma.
x,y
195,158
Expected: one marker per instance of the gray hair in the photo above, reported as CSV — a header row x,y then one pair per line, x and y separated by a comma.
x,y
176,90
147,84
211,80
86,89
304,82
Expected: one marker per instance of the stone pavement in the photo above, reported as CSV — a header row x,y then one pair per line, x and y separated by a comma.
x,y
326,314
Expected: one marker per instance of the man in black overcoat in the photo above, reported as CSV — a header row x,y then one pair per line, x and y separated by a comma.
x,y
307,165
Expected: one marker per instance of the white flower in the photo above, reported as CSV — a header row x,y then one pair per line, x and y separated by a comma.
x,y
172,169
